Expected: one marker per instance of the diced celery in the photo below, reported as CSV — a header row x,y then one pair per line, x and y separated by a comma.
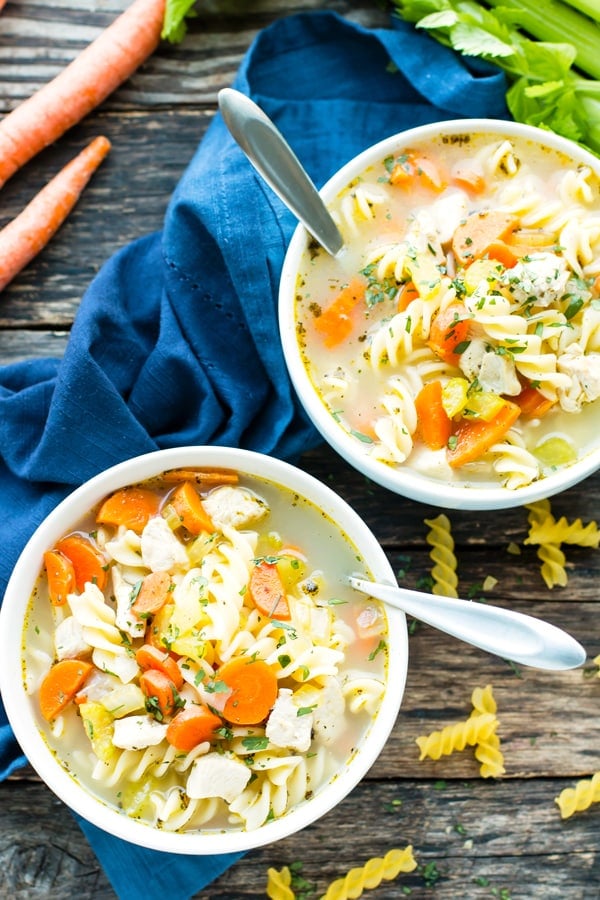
x,y
483,405
555,451
124,700
454,396
135,796
98,724
292,570
192,646
481,270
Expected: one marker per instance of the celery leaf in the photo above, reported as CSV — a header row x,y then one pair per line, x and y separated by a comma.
x,y
174,24
471,40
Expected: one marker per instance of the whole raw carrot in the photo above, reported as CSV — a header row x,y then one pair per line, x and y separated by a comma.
x,y
98,70
30,231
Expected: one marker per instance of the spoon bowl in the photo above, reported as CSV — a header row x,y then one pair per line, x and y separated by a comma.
x,y
506,633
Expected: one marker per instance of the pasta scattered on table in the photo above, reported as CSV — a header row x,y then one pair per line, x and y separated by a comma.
x,y
575,799
445,579
456,737
487,752
354,883
551,556
552,531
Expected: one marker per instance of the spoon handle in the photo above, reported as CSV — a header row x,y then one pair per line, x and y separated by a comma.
x,y
273,158
511,635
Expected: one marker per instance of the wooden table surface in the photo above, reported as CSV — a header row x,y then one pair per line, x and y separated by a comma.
x,y
472,837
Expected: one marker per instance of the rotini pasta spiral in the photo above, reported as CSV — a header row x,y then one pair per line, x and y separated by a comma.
x,y
551,531
371,875
456,737
278,884
552,558
442,553
580,797
487,751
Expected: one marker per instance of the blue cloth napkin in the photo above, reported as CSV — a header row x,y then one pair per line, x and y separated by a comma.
x,y
176,339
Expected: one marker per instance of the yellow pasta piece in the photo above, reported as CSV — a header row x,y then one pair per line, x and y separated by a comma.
x,y
278,884
552,558
580,797
445,579
564,532
473,731
371,874
487,751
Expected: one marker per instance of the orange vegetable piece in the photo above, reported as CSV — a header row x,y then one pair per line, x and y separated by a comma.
x,y
532,403
253,686
406,295
208,477
59,686
150,657
60,575
267,591
336,323
160,692
192,726
503,253
474,437
449,329
153,594
468,179
81,86
88,562
29,232
434,426
474,235
131,507
186,502
410,166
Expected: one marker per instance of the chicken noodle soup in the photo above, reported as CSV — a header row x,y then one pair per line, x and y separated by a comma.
x,y
458,333
197,659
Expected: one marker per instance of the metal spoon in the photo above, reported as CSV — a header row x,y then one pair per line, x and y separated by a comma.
x,y
274,159
511,635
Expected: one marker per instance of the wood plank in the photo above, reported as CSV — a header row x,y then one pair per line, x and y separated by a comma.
x,y
479,835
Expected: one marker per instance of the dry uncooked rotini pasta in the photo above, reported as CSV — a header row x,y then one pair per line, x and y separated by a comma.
x,y
278,884
487,752
472,731
551,556
562,531
371,875
445,579
580,797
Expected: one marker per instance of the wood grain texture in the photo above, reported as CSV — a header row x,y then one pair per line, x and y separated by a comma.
x,y
482,838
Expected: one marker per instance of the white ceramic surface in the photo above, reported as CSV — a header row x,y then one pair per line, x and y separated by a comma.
x,y
402,479
26,722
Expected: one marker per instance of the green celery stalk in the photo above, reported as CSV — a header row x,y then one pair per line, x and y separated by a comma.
x,y
553,21
589,8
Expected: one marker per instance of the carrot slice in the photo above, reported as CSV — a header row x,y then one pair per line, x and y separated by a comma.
x,y
161,694
449,330
192,726
267,591
149,657
131,507
412,166
59,686
60,574
208,477
474,437
434,426
532,403
186,502
253,685
468,179
406,295
155,591
472,238
335,324
503,253
88,562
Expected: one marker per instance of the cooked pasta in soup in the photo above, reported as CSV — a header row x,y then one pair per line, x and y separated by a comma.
x,y
195,655
458,333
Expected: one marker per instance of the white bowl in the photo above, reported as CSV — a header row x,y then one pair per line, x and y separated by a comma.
x,y
31,730
403,478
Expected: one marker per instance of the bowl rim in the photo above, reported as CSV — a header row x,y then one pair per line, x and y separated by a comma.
x,y
12,619
406,481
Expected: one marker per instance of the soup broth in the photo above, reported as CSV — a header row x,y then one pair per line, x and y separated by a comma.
x,y
458,332
232,589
